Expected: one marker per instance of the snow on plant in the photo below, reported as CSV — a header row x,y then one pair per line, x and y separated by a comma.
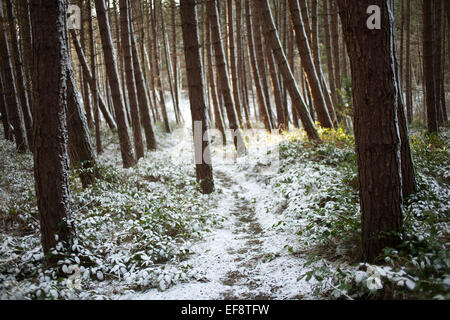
x,y
133,226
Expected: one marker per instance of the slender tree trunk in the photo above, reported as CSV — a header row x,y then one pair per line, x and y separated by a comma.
x,y
85,83
24,18
93,85
51,169
214,97
90,76
129,74
198,107
409,105
116,91
233,63
376,124
255,68
223,74
4,112
428,66
326,118
437,58
271,35
158,73
175,55
242,75
335,44
20,73
81,152
142,94
329,53
259,51
9,87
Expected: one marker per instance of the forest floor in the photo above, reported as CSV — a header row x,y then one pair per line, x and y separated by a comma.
x,y
288,231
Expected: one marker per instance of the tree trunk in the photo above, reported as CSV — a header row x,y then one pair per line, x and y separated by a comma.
x,y
113,77
242,75
90,76
20,73
198,107
329,53
158,73
93,84
260,55
26,42
376,124
271,35
4,112
9,87
142,94
223,74
428,66
409,105
81,152
233,63
437,58
218,119
129,74
256,74
51,169
326,119
85,83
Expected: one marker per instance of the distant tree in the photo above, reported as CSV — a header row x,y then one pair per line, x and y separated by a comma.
x,y
113,76
271,34
224,79
19,72
9,88
129,78
428,66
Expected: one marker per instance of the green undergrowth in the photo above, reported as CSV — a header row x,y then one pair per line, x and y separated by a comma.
x,y
320,184
133,228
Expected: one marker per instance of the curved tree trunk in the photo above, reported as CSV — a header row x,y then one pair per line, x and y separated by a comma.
x,y
81,152
271,35
113,76
90,77
308,65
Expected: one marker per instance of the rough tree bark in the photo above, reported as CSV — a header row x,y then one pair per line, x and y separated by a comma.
x,y
198,107
375,92
51,168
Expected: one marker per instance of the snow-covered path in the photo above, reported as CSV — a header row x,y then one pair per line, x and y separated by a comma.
x,y
243,257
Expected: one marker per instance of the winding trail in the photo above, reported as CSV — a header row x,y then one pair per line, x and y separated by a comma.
x,y
243,257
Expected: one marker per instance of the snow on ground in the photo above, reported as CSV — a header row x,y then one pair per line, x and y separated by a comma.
x,y
243,257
